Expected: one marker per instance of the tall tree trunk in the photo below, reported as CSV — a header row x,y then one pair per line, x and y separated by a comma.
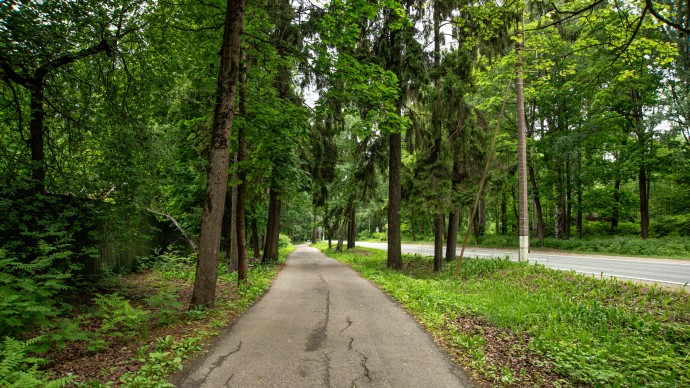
x,y
537,203
273,227
341,236
36,130
438,242
504,214
233,258
352,227
452,239
559,218
578,224
616,204
568,201
394,199
240,211
219,158
644,202
255,239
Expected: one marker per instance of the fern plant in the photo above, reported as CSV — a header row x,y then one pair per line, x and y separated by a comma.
x,y
18,369
29,292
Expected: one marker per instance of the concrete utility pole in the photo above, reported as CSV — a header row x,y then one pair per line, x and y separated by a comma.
x,y
523,225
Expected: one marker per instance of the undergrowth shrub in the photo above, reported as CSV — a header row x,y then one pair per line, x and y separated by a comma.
x,y
19,369
119,317
30,292
283,241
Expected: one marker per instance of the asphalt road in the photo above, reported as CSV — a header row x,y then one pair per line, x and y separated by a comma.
x,y
664,271
322,325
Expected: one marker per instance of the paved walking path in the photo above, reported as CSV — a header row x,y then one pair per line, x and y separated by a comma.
x,y
322,325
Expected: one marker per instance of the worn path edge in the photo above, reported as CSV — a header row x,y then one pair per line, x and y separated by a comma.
x,y
322,325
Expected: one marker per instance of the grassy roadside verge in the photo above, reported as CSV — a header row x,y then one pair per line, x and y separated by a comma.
x,y
515,324
664,247
135,330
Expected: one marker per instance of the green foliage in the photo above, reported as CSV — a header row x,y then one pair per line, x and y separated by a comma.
x,y
678,225
167,307
166,357
595,332
30,292
18,369
118,316
283,241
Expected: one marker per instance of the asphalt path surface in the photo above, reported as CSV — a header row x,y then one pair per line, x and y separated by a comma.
x,y
322,325
663,271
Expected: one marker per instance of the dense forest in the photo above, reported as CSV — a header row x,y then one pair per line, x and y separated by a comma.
x,y
129,127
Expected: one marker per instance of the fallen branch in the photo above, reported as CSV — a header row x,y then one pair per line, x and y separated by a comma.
x,y
191,242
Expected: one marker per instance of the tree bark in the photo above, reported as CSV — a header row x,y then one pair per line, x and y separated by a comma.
x,y
233,258
273,227
341,236
255,239
219,158
537,203
616,204
452,239
394,199
559,219
644,202
36,141
438,242
240,170
504,214
352,227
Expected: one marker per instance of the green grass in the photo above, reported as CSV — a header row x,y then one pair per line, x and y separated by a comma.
x,y
589,331
663,247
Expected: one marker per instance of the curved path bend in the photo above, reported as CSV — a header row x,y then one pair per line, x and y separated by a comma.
x,y
322,325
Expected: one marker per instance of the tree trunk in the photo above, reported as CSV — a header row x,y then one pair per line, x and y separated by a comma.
x,y
394,199
578,224
273,227
644,202
233,258
559,219
255,239
240,211
616,204
219,158
504,214
438,242
568,201
341,236
36,130
352,227
537,204
452,239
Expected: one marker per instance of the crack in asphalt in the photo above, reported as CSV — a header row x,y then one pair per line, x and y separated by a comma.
x,y
349,345
327,362
318,336
349,323
227,382
219,361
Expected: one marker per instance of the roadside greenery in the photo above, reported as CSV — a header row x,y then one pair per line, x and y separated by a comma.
x,y
580,330
145,311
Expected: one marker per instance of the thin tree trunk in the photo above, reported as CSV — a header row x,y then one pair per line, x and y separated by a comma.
x,y
394,199
240,211
233,259
559,218
616,204
452,239
219,158
568,201
255,239
273,227
36,131
352,227
578,225
504,214
341,236
438,242
537,204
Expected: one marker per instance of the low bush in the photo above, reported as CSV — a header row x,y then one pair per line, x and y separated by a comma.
x,y
283,241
